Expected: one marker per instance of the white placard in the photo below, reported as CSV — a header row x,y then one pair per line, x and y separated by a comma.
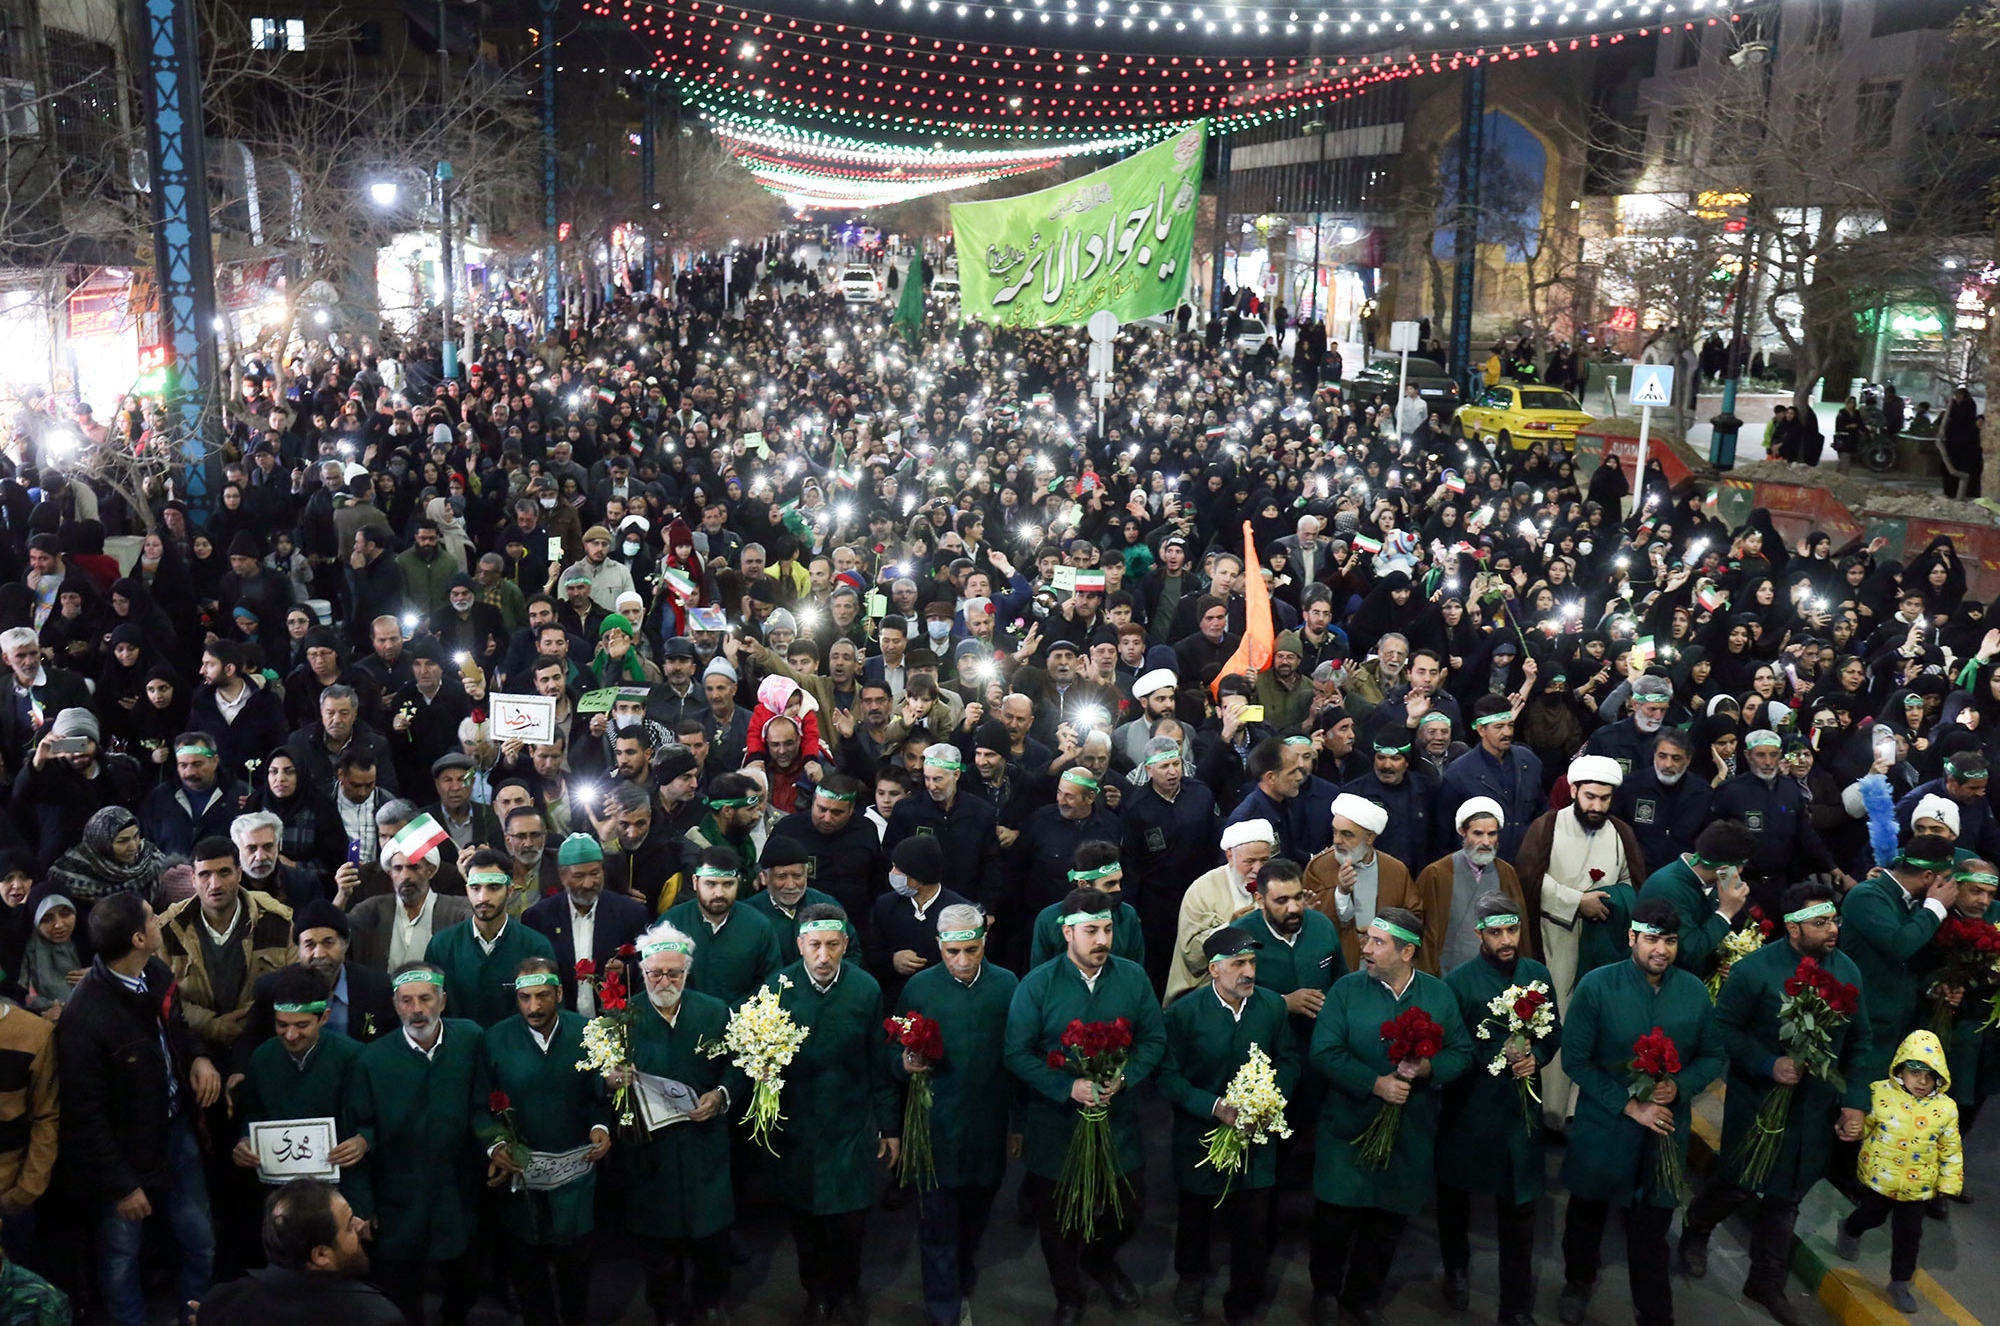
x,y
1403,336
662,1101
290,1149
526,718
548,1170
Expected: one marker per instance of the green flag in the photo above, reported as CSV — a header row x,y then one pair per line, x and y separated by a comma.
x,y
909,317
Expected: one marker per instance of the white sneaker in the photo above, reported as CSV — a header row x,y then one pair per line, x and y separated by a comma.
x,y
965,1312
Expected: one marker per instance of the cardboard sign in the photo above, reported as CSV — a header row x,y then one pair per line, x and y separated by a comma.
x,y
548,1170
1063,579
878,605
526,718
597,701
290,1149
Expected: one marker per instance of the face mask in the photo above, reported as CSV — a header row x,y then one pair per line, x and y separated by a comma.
x,y
938,630
548,503
901,884
631,548
1584,548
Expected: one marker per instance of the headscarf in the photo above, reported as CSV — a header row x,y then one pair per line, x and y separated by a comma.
x,y
89,872
451,532
44,966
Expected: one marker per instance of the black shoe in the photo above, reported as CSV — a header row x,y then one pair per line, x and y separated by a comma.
x,y
1772,1299
1694,1254
1187,1300
1937,1208
895,1197
1457,1289
1517,1319
1574,1302
1067,1314
1367,1317
1325,1310
1118,1286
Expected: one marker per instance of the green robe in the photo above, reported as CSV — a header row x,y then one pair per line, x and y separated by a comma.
x,y
1610,1158
1128,941
1050,997
1886,939
972,1096
1349,1053
1601,943
479,985
677,1179
786,928
555,1107
1747,1014
732,962
840,1096
1486,1143
1703,928
274,1086
428,1128
1206,1044
1312,961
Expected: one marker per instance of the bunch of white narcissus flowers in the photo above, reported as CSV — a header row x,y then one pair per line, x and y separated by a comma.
x,y
1260,1115
763,1040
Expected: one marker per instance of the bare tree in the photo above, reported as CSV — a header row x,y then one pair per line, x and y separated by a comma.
x,y
1667,273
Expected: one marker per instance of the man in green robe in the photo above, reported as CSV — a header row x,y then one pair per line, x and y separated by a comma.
x,y
1301,957
1210,1034
841,1111
1887,920
971,1106
1086,984
1489,1137
1613,1158
737,946
678,1202
1096,866
421,1101
1707,888
1747,1015
480,956
301,1071
545,1225
785,894
1360,1209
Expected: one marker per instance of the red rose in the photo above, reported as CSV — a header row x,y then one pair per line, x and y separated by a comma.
x,y
613,1004
1058,1060
478,715
498,1102
628,950
585,969
1596,876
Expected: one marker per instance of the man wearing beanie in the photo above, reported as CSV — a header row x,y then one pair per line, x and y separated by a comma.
x,y
359,1003
608,576
844,857
55,795
902,925
585,920
785,893
1282,689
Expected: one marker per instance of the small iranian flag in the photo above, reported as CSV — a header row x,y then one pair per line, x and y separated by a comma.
x,y
1453,482
1044,398
679,583
1368,543
1644,652
1218,431
606,395
1710,597
418,836
1090,582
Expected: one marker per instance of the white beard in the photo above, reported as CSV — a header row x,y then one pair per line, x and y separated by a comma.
x,y
1481,856
1669,781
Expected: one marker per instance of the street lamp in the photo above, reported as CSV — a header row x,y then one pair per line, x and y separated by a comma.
x,y
383,193
450,346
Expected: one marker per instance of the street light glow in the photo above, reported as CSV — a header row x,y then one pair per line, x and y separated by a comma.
x,y
383,193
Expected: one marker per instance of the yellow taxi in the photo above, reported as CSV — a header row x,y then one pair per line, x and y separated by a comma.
x,y
1515,414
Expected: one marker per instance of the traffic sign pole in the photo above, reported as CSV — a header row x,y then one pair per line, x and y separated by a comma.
x,y
1103,327
1652,384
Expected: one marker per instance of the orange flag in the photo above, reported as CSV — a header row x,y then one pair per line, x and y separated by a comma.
x,y
1259,641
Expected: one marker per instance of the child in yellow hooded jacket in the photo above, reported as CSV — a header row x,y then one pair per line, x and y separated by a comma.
x,y
1910,1152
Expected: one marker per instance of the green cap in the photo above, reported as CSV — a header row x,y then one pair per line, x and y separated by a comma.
x,y
580,849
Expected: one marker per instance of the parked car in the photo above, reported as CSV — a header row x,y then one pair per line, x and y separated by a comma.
x,y
860,285
1252,336
944,289
1379,378
1515,414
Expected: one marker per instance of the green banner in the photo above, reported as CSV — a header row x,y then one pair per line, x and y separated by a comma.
x,y
1121,238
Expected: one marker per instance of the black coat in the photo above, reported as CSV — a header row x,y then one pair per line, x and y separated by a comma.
x,y
61,690
850,864
620,921
52,804
371,1011
115,1070
298,1298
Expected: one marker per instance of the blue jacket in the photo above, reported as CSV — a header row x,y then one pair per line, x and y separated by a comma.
x,y
1287,820
1516,785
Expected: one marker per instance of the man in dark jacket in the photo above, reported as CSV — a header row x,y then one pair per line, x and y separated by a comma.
x,y
360,1005
312,1240
1625,740
133,1087
964,824
247,722
1773,804
198,804
1664,806
374,581
585,920
55,795
1169,839
1408,793
843,852
38,694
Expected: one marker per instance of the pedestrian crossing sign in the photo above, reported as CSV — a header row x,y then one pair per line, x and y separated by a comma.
x,y
1652,384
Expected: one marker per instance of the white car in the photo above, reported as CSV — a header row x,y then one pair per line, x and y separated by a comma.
x,y
945,289
1253,336
859,285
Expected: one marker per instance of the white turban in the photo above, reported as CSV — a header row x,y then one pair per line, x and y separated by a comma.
x,y
1942,809
1248,831
1361,811
1474,808
1152,681
429,856
1595,769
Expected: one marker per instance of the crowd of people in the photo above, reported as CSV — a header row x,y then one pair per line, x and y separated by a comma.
x,y
882,678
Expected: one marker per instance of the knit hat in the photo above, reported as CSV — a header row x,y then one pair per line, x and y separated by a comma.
x,y
919,857
597,532
780,619
246,544
75,722
1288,643
991,735
319,914
616,621
671,762
580,849
780,850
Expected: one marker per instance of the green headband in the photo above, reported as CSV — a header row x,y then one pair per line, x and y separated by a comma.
x,y
1165,757
1497,919
1971,877
1701,860
1643,928
529,980
1960,775
833,796
1436,717
1081,777
1250,947
207,752
490,876
810,926
1391,746
1394,931
647,948
961,936
316,1006
725,803
1505,716
1813,912
715,872
419,974
951,762
1762,739
1298,741
1095,872
1085,918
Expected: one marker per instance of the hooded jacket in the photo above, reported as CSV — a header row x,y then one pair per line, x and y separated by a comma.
x,y
1910,1149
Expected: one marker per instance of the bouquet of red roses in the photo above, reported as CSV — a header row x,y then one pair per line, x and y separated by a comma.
x,y
1655,1059
1090,1180
922,1039
1816,1004
1412,1037
1971,963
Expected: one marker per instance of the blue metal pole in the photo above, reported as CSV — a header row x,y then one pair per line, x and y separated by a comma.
x,y
551,258
1465,252
450,346
183,259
